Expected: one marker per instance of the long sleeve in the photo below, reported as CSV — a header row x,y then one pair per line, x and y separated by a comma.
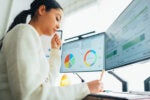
x,y
72,92
54,64
27,68
22,54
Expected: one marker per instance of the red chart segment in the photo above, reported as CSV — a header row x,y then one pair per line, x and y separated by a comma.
x,y
69,61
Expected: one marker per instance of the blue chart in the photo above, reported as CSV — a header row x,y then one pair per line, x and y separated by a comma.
x,y
90,58
69,61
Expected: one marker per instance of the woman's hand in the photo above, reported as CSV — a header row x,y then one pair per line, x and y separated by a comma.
x,y
95,86
55,42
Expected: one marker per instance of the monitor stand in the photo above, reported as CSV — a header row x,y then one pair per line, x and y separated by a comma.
x,y
82,80
124,83
147,84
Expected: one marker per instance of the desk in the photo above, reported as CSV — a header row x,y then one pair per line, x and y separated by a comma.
x,y
117,96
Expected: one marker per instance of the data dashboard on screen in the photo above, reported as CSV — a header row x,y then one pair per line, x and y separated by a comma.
x,y
128,38
83,55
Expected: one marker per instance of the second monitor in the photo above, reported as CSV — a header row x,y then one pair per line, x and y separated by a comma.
x,y
83,55
128,38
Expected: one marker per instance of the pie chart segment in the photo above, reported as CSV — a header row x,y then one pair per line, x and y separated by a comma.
x,y
69,61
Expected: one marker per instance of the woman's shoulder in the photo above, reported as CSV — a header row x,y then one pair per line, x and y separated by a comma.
x,y
23,31
22,27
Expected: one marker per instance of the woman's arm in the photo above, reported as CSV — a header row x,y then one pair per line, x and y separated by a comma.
x,y
25,75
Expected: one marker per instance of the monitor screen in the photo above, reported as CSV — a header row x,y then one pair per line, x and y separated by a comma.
x,y
83,55
128,38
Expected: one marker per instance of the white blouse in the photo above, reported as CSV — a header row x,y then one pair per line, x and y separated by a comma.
x,y
25,73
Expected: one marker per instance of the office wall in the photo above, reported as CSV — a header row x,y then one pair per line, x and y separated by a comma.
x,y
9,9
4,15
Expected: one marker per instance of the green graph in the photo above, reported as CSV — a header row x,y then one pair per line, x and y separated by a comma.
x,y
111,54
133,42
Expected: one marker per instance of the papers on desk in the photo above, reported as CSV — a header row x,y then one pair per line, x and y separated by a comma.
x,y
122,96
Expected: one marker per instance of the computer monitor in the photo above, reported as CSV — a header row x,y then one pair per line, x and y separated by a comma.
x,y
85,54
128,38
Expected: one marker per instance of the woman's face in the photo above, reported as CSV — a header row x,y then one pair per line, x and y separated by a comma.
x,y
50,21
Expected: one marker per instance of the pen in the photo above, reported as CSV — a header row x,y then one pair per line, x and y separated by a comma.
x,y
107,91
101,75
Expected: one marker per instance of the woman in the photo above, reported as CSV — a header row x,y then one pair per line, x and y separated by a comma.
x,y
25,73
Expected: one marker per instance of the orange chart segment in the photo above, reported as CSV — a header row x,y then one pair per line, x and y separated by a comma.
x,y
69,61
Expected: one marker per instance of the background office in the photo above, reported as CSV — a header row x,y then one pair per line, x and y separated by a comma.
x,y
98,15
